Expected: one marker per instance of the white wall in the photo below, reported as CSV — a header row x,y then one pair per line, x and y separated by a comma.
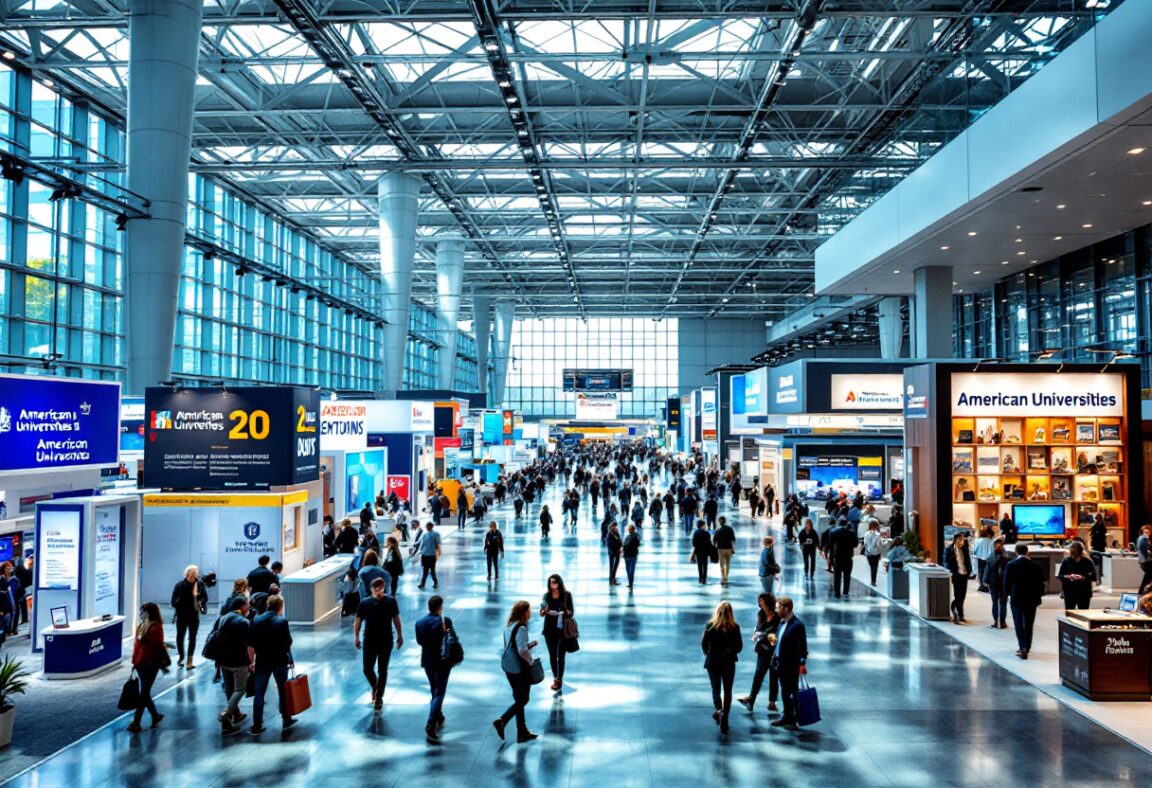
x,y
705,344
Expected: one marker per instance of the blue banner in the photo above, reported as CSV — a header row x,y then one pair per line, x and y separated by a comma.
x,y
57,423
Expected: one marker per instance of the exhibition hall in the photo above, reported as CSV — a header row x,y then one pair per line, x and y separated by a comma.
x,y
529,392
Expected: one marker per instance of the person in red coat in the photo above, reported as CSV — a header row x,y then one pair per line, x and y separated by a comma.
x,y
149,657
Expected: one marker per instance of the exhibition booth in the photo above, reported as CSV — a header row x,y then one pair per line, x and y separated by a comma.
x,y
405,429
1051,447
351,473
87,564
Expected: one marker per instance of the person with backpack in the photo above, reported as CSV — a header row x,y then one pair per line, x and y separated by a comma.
x,y
516,661
189,601
430,632
493,549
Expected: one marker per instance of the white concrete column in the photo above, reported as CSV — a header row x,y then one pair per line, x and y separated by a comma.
x,y
891,328
505,314
449,280
398,198
482,328
163,46
932,325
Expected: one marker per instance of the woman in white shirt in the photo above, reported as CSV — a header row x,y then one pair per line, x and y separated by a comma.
x,y
873,546
517,654
982,551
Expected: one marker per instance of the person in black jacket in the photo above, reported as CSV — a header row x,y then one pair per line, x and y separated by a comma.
x,y
271,640
711,507
545,522
764,642
1024,585
958,560
721,644
789,657
261,578
430,635
631,551
842,544
701,551
493,549
556,608
993,579
1077,574
346,539
614,545
189,600
809,544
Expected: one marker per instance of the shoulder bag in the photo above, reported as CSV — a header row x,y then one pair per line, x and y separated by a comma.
x,y
211,650
451,651
510,659
130,694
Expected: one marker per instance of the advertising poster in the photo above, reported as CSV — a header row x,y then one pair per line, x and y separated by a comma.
x,y
596,407
246,533
58,553
243,438
366,476
867,392
106,562
401,485
57,423
343,426
1037,395
132,424
708,414
493,426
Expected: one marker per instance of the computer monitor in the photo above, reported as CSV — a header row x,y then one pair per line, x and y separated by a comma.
x,y
1128,603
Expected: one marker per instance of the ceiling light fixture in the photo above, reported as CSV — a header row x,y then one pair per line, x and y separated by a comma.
x,y
1058,238
1087,226
972,233
1136,151
1061,206
945,248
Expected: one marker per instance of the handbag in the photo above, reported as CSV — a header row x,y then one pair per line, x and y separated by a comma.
x,y
807,704
297,697
130,694
211,650
250,686
571,628
451,651
536,672
510,660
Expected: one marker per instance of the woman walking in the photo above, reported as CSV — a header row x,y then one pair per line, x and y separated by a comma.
x,y
557,605
769,568
149,657
393,561
545,521
764,643
630,551
721,644
615,546
517,663
873,547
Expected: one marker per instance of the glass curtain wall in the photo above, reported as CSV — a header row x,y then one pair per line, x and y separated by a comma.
x,y
542,349
1096,298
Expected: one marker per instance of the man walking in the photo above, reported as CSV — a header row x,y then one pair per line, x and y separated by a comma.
x,y
711,507
234,658
842,543
429,555
430,635
378,614
631,550
261,578
789,659
702,551
725,542
271,640
1024,584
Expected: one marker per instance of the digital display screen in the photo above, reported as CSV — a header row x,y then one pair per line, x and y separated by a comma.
x,y
598,380
1039,519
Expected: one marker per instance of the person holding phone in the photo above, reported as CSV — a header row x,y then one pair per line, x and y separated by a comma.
x,y
555,607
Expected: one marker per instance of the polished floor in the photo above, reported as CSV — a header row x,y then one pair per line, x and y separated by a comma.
x,y
903,703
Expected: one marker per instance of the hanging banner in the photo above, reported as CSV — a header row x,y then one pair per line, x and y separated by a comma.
x,y
57,423
106,561
596,407
243,438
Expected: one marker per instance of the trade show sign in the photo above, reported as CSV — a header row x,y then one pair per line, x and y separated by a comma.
x,y
343,426
242,438
50,423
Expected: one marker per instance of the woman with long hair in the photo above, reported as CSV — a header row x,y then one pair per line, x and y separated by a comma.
x,y
518,653
393,561
555,609
721,644
149,657
764,643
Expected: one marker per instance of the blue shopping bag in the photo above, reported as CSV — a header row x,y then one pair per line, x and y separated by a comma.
x,y
807,704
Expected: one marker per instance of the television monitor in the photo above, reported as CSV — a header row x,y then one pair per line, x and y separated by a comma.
x,y
1128,603
1039,519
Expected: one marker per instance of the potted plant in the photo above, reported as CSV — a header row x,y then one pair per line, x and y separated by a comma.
x,y
13,681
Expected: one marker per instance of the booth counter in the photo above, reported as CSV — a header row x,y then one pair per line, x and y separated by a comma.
x,y
83,648
1120,573
1049,559
311,594
1107,656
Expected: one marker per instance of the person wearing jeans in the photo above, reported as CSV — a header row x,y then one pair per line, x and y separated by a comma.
x,y
993,580
149,657
764,638
429,555
721,644
631,550
873,547
520,680
271,640
430,635
189,600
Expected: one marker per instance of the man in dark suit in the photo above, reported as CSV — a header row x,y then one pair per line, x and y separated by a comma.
x,y
842,544
702,551
1024,585
430,635
261,578
271,639
789,659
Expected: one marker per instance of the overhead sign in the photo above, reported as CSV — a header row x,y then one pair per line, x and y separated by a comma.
x,y
1039,394
673,413
598,380
393,415
242,438
596,407
343,426
423,416
48,423
867,392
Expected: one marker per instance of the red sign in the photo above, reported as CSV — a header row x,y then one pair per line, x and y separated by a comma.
x,y
400,485
440,444
509,421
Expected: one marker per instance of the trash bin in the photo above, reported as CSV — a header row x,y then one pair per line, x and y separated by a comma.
x,y
930,591
898,584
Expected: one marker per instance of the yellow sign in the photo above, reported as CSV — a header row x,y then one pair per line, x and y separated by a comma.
x,y
224,500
